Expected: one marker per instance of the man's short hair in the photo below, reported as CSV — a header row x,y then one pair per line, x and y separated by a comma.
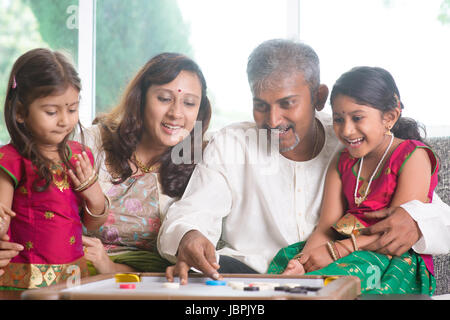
x,y
278,58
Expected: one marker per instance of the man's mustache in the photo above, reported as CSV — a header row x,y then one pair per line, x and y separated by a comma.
x,y
280,127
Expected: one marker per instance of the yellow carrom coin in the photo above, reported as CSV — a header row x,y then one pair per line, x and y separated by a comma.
x,y
329,279
127,277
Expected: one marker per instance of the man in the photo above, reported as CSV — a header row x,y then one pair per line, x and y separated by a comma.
x,y
255,212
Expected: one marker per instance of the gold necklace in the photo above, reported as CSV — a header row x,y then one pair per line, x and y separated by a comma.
x,y
58,171
362,198
144,168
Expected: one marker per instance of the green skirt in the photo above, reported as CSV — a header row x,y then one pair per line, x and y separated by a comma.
x,y
379,273
141,261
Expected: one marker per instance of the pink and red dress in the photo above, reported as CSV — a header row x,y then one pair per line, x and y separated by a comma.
x,y
409,273
382,188
47,224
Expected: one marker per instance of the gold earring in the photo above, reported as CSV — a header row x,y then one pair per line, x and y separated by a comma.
x,y
388,131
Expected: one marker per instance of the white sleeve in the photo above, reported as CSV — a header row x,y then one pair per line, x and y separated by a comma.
x,y
433,220
207,199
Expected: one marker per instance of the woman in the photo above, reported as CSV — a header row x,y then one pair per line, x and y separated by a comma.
x,y
133,146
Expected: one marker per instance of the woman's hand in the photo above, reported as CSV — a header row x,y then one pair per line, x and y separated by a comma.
x,y
95,252
6,212
5,217
8,250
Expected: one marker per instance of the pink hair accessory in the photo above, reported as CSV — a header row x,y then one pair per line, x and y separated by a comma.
x,y
14,85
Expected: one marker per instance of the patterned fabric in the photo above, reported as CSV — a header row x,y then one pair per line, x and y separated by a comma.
x,y
134,221
47,223
407,274
441,145
142,261
31,276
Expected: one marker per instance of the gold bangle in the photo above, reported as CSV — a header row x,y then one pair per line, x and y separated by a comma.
x,y
90,184
337,250
87,183
105,210
331,250
355,246
298,256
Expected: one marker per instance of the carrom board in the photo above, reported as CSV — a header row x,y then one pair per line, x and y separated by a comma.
x,y
151,287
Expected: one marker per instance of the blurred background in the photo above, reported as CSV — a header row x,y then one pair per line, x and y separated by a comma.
x,y
109,40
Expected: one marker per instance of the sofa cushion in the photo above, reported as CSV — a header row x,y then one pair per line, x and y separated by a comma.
x,y
441,146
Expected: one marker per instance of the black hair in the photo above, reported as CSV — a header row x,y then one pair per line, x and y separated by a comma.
x,y
375,87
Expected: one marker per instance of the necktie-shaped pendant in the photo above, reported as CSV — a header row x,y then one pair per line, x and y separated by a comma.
x,y
359,200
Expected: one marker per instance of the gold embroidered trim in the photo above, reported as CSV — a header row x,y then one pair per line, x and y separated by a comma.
x,y
29,276
348,224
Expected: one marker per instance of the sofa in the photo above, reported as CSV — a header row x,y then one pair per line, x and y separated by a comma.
x,y
441,145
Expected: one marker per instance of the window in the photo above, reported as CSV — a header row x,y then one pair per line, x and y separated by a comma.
x,y
25,25
218,35
409,38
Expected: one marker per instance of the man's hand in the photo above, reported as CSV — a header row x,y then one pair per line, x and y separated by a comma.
x,y
195,250
8,250
398,231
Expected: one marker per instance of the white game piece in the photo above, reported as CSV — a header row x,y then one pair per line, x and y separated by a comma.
x,y
291,285
171,285
264,285
239,286
236,285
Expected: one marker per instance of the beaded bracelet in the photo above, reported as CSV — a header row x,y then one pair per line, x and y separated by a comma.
x,y
105,210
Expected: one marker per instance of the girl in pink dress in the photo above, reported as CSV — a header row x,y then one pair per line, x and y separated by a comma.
x,y
384,164
47,182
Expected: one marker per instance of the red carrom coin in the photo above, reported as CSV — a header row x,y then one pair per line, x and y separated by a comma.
x,y
127,286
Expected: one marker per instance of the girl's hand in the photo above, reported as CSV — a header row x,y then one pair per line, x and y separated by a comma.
x,y
294,267
316,259
95,252
83,172
84,178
